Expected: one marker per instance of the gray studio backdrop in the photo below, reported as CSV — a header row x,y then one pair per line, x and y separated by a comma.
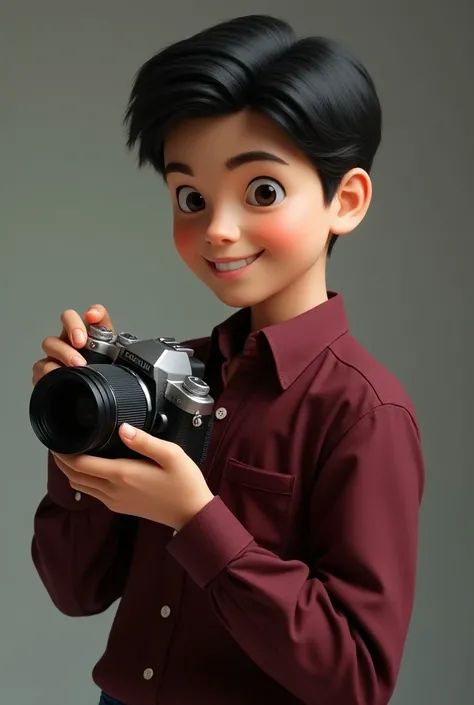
x,y
79,224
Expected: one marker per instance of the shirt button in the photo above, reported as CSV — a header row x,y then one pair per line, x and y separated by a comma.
x,y
77,496
221,413
175,532
148,673
165,611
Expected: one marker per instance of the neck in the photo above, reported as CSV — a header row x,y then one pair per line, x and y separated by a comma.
x,y
308,291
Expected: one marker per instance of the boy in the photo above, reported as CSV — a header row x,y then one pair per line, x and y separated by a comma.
x,y
283,571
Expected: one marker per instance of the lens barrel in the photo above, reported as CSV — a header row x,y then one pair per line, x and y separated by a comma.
x,y
79,409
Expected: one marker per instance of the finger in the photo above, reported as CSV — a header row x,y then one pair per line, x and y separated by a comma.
x,y
60,351
98,314
73,467
103,469
163,452
84,483
43,367
74,328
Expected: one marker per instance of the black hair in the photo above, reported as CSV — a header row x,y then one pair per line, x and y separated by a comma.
x,y
313,88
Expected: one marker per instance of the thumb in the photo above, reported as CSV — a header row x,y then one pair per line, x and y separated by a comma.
x,y
163,452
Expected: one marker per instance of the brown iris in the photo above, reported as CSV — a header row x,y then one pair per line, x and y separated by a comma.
x,y
265,195
194,201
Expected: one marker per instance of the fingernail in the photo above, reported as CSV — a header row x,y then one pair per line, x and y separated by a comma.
x,y
93,310
78,360
78,337
128,431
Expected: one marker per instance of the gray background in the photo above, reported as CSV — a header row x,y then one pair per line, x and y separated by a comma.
x,y
79,225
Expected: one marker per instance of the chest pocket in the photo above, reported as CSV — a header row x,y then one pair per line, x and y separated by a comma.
x,y
260,500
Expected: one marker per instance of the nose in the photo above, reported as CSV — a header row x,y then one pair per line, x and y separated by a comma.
x,y
223,228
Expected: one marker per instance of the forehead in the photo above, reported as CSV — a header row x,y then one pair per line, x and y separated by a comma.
x,y
219,138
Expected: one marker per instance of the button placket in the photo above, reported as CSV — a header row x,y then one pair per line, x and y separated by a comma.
x,y
149,672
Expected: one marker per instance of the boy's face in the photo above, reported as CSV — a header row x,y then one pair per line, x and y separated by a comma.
x,y
266,215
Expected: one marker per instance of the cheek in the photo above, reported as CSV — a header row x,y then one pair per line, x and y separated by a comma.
x,y
280,232
297,228
185,240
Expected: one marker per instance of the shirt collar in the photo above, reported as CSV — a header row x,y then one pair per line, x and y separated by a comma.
x,y
293,344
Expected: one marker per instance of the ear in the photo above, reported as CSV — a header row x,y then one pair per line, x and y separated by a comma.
x,y
351,202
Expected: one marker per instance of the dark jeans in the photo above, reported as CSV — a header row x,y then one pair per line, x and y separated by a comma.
x,y
107,700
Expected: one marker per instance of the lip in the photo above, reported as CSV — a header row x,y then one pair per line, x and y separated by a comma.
x,y
235,273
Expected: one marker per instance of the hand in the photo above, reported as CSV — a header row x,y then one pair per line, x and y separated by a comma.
x,y
62,350
169,488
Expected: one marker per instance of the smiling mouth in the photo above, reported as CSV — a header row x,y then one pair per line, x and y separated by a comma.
x,y
235,264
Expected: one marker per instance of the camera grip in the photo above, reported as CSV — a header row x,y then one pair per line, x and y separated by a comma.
x,y
194,440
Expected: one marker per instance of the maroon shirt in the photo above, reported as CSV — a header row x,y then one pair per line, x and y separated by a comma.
x,y
296,583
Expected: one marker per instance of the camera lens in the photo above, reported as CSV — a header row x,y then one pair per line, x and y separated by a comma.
x,y
70,410
79,410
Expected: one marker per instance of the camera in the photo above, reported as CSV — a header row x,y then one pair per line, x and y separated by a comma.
x,y
155,385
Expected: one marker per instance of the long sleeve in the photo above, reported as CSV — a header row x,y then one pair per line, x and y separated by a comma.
x,y
332,631
80,549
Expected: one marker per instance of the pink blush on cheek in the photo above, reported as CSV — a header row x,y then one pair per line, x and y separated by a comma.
x,y
185,241
276,233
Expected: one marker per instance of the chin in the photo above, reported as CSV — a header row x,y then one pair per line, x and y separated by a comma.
x,y
236,299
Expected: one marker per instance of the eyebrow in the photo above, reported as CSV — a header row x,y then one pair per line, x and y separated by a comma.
x,y
231,163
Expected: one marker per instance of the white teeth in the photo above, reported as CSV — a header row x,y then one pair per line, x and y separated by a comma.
x,y
231,266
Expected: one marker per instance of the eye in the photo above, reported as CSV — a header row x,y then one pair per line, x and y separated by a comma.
x,y
265,192
189,200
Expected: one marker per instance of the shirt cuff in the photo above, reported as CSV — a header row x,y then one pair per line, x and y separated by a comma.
x,y
61,492
207,544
